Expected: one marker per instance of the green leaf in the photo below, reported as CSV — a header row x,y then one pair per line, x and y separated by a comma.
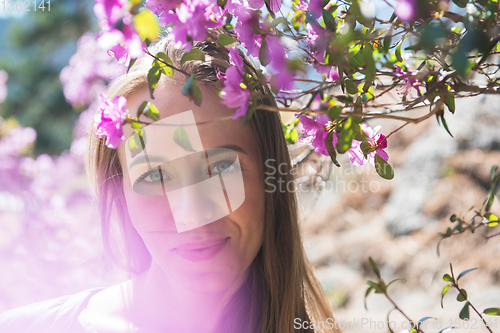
x,y
368,291
492,311
445,125
194,54
448,278
197,95
345,139
263,53
182,139
154,75
464,314
360,135
461,3
387,41
298,19
378,289
146,24
334,112
152,112
141,108
330,148
383,168
398,53
132,62
450,102
443,293
329,21
374,267
420,321
366,148
465,272
462,295
493,218
225,39
134,146
192,91
187,86
169,71
351,87
277,21
135,125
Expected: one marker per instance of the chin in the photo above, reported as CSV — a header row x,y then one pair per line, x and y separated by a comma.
x,y
208,282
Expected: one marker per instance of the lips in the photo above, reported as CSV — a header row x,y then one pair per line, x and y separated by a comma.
x,y
203,250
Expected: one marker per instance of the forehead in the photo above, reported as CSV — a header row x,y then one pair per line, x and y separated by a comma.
x,y
213,130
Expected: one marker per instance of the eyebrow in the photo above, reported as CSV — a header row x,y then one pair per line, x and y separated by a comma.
x,y
145,158
229,146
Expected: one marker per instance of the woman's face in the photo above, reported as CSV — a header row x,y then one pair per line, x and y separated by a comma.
x,y
205,257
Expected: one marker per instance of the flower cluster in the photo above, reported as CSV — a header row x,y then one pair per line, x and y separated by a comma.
x,y
410,81
189,20
123,43
316,131
89,69
109,119
235,93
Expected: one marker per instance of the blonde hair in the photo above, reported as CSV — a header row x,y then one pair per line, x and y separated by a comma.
x,y
281,286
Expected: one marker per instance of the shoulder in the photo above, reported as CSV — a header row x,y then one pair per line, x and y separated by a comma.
x,y
53,315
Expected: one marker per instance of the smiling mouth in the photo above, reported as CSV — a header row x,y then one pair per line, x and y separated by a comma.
x,y
193,252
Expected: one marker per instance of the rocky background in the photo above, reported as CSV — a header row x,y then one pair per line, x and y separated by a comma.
x,y
396,222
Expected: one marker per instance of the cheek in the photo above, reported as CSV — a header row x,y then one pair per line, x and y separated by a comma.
x,y
250,218
148,212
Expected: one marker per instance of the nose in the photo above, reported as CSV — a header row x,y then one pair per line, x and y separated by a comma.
x,y
198,204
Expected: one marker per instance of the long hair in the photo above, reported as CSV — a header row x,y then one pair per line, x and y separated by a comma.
x,y
281,286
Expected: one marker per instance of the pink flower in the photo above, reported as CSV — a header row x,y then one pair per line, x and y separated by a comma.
x,y
410,81
233,94
316,132
190,21
158,7
275,5
276,52
109,119
88,70
124,44
256,4
355,153
108,11
248,20
315,8
405,9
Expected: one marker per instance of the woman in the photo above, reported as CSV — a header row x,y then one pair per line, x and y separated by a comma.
x,y
243,272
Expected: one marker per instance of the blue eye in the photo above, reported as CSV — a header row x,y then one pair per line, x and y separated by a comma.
x,y
154,176
223,167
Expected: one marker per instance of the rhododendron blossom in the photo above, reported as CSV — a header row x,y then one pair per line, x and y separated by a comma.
x,y
190,20
108,11
234,94
123,44
316,132
405,9
378,142
109,118
410,81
